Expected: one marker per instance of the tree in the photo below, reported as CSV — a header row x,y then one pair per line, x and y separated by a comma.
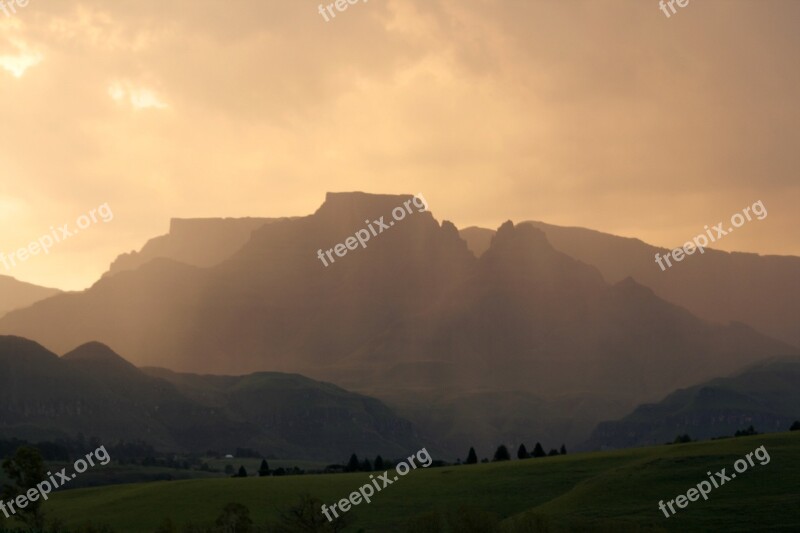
x,y
353,465
563,450
472,457
366,466
378,463
242,472
501,454
795,426
538,451
682,439
522,452
552,452
235,518
25,469
263,470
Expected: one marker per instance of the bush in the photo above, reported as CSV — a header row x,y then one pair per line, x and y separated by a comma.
x,y
682,439
746,432
235,518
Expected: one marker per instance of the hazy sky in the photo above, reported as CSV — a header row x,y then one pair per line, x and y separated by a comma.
x,y
597,113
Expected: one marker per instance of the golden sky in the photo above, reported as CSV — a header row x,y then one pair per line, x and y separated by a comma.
x,y
597,113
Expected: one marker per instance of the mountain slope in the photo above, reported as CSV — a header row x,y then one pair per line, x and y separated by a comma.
x,y
201,242
17,294
766,396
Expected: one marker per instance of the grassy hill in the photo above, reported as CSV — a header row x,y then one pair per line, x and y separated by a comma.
x,y
604,491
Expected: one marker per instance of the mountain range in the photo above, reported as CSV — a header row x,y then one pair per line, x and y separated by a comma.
x,y
760,291
526,337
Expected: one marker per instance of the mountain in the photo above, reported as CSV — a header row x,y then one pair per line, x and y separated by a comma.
x,y
761,291
18,294
413,316
766,396
299,417
94,391
201,242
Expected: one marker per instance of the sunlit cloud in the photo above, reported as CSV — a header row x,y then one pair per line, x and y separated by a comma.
x,y
21,60
494,110
138,97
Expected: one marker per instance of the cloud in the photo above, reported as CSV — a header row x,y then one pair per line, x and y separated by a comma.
x,y
602,114
21,57
137,97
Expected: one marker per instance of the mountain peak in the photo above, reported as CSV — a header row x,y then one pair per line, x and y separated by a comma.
x,y
96,352
522,252
631,287
19,346
521,235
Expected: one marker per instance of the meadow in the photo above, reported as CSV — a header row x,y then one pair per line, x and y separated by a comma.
x,y
600,491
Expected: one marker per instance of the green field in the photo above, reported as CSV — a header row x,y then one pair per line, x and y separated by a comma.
x,y
604,491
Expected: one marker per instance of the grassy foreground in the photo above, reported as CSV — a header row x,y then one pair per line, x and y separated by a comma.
x,y
605,491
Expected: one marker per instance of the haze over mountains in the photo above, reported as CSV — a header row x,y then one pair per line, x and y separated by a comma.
x,y
761,291
202,242
414,318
